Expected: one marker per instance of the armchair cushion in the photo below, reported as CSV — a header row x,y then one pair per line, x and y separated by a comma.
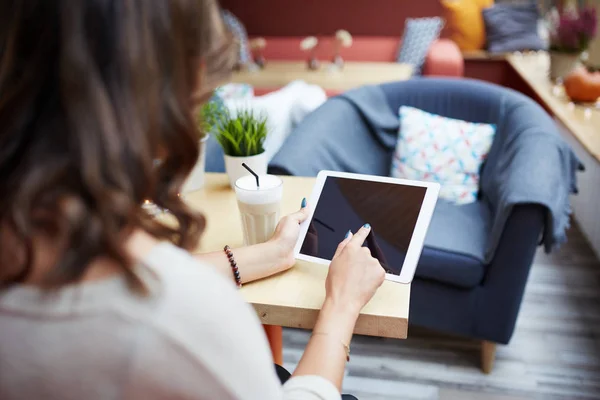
x,y
450,268
459,263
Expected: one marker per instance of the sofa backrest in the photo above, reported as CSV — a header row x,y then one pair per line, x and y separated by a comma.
x,y
324,17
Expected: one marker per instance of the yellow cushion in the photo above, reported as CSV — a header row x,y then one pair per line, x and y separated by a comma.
x,y
465,22
484,3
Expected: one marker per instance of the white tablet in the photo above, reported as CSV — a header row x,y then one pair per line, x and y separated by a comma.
x,y
399,212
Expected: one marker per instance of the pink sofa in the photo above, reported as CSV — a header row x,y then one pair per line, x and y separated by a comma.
x,y
444,57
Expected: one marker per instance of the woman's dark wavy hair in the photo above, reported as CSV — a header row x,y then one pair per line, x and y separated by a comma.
x,y
91,93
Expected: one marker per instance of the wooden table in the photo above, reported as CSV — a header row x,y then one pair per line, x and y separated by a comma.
x,y
580,127
582,122
354,74
292,298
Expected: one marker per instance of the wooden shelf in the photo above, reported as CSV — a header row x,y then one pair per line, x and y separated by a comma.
x,y
583,122
354,74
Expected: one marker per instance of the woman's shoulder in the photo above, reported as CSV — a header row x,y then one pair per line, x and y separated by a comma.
x,y
190,296
178,280
175,266
203,330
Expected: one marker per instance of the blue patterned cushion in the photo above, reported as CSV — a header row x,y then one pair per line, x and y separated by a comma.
x,y
512,27
239,33
444,150
419,34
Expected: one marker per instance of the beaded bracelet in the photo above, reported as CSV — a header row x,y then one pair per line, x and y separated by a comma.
x,y
234,267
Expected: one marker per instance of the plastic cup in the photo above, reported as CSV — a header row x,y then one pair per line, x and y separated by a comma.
x,y
260,206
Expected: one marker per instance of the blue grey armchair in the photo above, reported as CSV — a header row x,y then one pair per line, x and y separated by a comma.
x,y
452,292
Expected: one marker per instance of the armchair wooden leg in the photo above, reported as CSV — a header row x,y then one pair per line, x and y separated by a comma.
x,y
488,356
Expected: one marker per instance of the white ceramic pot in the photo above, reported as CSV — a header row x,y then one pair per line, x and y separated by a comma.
x,y
235,170
195,180
562,64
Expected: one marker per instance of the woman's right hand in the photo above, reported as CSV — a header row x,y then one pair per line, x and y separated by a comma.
x,y
354,275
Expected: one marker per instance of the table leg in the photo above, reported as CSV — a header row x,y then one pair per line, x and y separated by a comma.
x,y
275,337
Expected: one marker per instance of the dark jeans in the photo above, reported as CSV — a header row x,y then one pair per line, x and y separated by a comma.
x,y
284,375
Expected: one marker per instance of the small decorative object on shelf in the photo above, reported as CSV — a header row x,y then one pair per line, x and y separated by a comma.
x,y
241,134
310,45
571,30
257,46
342,39
582,85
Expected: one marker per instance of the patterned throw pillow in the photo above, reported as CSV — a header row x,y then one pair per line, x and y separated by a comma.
x,y
240,35
444,150
419,34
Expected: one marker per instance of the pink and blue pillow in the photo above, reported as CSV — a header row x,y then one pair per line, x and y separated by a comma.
x,y
444,150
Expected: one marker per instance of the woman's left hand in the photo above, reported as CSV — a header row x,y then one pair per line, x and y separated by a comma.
x,y
286,235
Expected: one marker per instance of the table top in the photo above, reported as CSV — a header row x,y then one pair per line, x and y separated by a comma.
x,y
582,121
292,298
354,74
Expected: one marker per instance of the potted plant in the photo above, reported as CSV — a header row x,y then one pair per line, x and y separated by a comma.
x,y
242,135
195,180
571,30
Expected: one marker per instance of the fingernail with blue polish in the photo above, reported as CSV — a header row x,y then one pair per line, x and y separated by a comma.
x,y
347,235
303,202
366,226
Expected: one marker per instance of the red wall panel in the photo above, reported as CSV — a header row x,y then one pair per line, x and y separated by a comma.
x,y
324,17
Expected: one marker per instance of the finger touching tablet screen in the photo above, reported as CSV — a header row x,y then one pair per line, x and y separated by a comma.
x,y
399,212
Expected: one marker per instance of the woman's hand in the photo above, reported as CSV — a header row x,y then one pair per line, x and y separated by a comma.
x,y
263,259
354,275
286,235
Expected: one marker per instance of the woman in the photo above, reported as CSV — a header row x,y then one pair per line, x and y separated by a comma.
x,y
98,300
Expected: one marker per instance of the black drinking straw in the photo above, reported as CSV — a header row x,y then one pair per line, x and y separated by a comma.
x,y
253,173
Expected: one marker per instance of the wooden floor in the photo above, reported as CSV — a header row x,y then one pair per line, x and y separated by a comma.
x,y
554,353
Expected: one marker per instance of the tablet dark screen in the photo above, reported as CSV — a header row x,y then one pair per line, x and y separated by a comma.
x,y
347,204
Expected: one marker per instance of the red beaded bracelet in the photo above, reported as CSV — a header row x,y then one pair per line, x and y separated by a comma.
x,y
234,267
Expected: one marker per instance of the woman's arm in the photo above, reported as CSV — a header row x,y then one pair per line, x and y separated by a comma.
x,y
325,354
354,276
261,260
255,262
208,342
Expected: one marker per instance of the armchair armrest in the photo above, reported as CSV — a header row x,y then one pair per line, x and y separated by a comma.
x,y
444,59
505,279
